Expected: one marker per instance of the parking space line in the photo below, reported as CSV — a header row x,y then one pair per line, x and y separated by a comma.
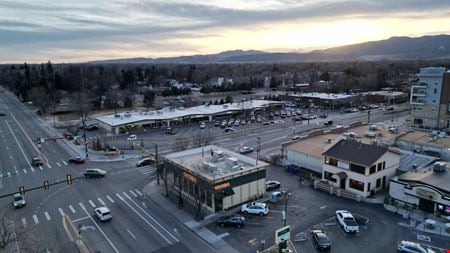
x,y
47,216
24,171
101,201
24,222
134,194
72,209
40,167
61,211
64,162
57,163
49,166
35,218
110,199
91,203
32,169
129,232
138,192
81,205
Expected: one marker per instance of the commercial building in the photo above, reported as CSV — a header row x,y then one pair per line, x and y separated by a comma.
x,y
430,99
432,144
214,177
327,100
170,116
386,96
427,189
360,168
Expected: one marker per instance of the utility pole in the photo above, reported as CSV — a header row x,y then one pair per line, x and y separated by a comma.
x,y
286,197
157,164
258,146
309,112
368,116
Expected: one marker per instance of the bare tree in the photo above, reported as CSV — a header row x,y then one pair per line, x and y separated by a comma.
x,y
202,139
40,98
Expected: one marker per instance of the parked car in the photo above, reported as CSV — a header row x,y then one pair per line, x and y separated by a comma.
x,y
230,123
328,123
216,123
202,125
132,137
229,129
288,114
252,119
277,113
94,173
259,119
245,150
346,221
293,114
271,185
412,247
103,213
2,114
255,208
321,240
145,162
243,122
295,137
237,122
323,115
223,125
170,131
390,108
374,106
77,159
234,220
36,161
18,200
91,127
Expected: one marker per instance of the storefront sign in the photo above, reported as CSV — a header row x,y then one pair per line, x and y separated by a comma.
x,y
190,177
426,194
221,186
343,165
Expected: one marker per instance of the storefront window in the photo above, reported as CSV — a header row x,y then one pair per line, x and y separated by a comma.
x,y
355,184
328,176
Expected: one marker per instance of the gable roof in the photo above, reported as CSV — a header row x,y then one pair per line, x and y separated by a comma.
x,y
356,152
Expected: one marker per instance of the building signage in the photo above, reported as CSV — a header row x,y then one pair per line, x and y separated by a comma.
x,y
426,194
343,165
282,234
221,186
190,177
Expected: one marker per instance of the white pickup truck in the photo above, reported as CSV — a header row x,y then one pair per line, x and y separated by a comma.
x,y
347,222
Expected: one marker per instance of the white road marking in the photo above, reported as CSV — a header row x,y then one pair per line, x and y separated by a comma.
x,y
49,166
7,147
146,172
101,231
138,192
61,211
64,162
1,183
10,156
101,201
24,222
72,209
40,167
129,232
9,173
47,216
110,199
57,163
24,171
18,144
134,194
81,205
91,203
32,169
80,219
35,218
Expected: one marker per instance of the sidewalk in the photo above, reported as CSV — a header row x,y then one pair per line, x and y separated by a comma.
x,y
155,194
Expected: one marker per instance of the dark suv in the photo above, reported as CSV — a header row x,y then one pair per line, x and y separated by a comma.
x,y
36,161
234,220
94,173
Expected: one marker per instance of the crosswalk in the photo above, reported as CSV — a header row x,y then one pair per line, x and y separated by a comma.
x,y
5,172
148,171
79,208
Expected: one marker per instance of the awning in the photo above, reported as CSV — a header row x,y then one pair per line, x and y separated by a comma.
x,y
341,175
225,193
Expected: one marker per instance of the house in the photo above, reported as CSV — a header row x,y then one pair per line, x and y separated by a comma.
x,y
358,167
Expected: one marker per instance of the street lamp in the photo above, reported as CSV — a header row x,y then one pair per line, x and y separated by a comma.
x,y
286,197
258,146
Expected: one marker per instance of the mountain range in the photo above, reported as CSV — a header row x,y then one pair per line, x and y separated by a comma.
x,y
394,48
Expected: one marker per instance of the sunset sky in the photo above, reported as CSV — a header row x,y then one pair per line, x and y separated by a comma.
x,y
74,31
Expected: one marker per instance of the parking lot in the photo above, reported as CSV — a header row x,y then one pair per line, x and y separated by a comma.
x,y
308,208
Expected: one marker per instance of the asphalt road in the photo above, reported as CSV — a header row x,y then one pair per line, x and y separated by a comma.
x,y
53,215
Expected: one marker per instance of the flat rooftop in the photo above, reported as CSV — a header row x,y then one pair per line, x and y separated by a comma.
x,y
321,95
174,113
425,139
215,163
316,145
428,176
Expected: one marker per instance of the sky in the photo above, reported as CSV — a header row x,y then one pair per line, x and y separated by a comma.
x,y
65,31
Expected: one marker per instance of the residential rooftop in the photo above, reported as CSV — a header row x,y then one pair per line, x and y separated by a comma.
x,y
215,163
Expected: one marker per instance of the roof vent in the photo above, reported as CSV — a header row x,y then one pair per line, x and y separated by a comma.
x,y
439,167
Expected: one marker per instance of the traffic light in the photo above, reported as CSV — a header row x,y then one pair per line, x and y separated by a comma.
x,y
46,186
22,190
69,179
38,140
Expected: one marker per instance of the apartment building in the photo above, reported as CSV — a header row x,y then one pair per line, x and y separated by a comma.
x,y
430,99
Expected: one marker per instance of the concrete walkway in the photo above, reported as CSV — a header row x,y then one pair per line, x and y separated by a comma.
x,y
155,193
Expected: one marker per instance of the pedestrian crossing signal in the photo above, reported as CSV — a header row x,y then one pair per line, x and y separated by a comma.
x,y
46,186
22,190
69,179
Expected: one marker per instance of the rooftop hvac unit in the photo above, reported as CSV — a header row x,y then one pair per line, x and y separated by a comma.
x,y
439,167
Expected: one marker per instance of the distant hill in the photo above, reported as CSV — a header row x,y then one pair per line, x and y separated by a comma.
x,y
394,48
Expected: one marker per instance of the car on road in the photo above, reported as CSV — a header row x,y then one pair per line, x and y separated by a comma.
x,y
18,200
91,127
36,161
145,162
412,247
2,114
374,106
321,240
297,119
170,131
94,173
132,137
346,221
229,129
77,160
202,125
255,208
245,150
103,213
323,115
271,185
234,220
389,108
295,137
328,123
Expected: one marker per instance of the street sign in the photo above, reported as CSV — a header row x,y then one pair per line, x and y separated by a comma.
x,y
283,233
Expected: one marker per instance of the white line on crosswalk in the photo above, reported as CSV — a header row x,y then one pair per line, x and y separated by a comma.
x,y
24,171
91,203
24,222
49,166
134,194
35,218
110,199
61,211
9,173
120,197
57,163
32,169
64,163
72,209
47,216
82,206
126,195
138,192
101,201
40,167
147,172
